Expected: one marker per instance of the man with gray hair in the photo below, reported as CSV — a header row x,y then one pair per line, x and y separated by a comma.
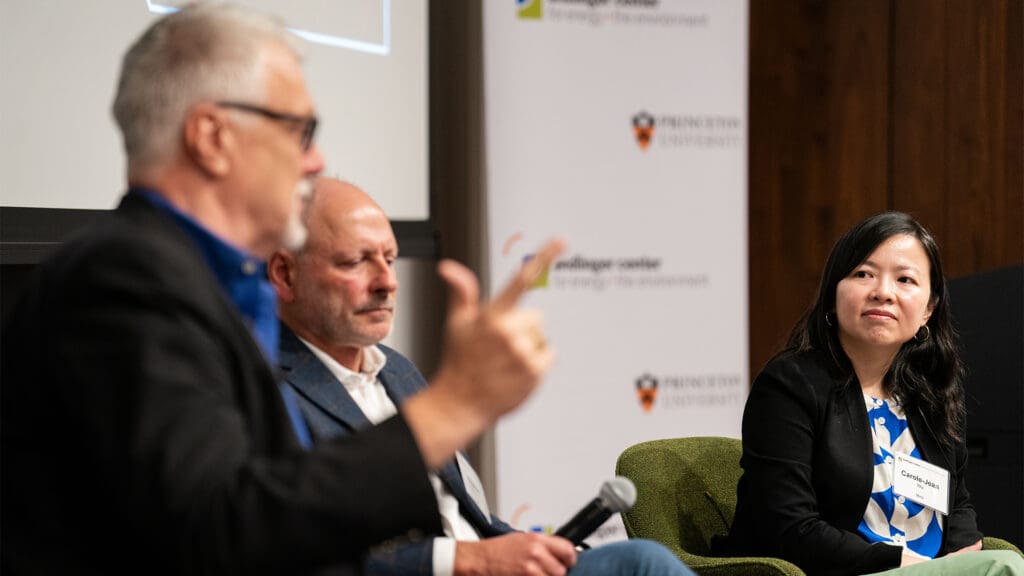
x,y
141,425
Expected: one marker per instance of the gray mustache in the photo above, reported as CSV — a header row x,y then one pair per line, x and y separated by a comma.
x,y
388,303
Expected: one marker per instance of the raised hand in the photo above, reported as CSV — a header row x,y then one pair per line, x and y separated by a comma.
x,y
495,355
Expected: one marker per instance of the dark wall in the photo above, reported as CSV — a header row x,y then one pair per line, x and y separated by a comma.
x,y
989,314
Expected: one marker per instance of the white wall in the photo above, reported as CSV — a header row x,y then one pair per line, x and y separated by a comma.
x,y
59,61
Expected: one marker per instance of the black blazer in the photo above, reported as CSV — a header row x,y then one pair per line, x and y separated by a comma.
x,y
807,474
143,430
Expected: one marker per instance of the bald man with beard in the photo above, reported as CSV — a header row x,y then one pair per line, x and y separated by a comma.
x,y
337,302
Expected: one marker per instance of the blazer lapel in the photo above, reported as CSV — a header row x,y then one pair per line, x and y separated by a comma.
x,y
315,383
312,380
399,387
451,475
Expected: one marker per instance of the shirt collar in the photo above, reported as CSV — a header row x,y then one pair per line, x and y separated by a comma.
x,y
373,362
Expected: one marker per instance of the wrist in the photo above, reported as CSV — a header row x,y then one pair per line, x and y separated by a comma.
x,y
467,559
442,422
906,559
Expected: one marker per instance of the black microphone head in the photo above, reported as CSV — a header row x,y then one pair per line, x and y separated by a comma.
x,y
618,494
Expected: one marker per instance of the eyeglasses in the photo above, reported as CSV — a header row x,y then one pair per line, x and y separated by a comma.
x,y
307,123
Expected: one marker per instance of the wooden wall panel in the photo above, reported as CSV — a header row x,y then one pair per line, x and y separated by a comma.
x,y
818,147
984,212
919,177
859,107
1014,151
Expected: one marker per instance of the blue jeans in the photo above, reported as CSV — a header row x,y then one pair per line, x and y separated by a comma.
x,y
631,557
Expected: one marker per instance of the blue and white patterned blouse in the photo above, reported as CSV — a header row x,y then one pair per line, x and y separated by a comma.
x,y
894,519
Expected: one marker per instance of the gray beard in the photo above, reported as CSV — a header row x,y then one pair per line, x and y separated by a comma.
x,y
295,232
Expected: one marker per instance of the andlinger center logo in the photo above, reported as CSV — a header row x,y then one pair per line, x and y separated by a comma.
x,y
530,9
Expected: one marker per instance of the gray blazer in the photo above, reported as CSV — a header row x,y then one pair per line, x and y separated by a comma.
x,y
330,413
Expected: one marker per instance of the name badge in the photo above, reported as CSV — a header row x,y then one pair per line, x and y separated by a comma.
x,y
924,483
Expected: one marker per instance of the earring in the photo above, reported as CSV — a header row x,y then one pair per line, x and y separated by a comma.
x,y
923,334
829,321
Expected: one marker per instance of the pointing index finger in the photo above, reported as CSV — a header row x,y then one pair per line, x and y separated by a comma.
x,y
526,276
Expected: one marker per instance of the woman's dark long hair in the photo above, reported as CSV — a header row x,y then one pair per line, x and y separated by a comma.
x,y
927,373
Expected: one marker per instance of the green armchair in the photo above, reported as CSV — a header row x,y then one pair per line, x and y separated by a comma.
x,y
686,493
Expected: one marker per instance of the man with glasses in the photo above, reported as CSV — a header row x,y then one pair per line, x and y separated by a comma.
x,y
305,124
143,430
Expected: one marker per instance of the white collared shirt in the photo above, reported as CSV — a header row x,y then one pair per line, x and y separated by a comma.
x,y
367,391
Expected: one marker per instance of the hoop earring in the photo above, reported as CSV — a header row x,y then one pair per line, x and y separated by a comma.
x,y
828,320
923,334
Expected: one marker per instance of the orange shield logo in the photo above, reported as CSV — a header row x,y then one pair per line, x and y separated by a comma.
x,y
647,391
643,129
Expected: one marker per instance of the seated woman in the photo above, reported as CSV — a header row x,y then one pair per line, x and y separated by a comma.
x,y
853,436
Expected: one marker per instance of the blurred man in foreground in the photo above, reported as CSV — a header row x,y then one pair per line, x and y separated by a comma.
x,y
143,429
337,300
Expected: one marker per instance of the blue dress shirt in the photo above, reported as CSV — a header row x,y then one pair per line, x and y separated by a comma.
x,y
244,279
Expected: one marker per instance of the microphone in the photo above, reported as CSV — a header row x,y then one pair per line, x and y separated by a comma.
x,y
616,495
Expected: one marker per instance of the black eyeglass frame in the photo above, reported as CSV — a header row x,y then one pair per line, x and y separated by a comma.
x,y
308,123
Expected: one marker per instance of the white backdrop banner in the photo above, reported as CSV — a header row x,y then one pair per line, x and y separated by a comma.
x,y
621,126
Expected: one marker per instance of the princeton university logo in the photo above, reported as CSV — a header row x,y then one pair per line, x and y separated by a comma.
x,y
643,129
646,390
530,9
